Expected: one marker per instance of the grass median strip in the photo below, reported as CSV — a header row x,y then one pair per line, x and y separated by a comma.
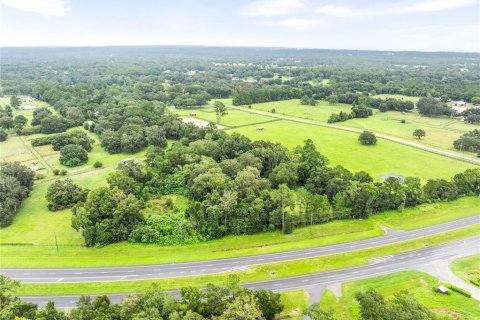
x,y
255,273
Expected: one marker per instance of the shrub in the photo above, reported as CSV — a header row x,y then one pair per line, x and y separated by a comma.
x,y
367,138
63,172
56,172
73,155
39,176
403,121
459,290
97,164
3,135
42,141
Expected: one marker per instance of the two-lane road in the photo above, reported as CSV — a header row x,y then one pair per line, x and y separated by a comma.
x,y
158,271
383,265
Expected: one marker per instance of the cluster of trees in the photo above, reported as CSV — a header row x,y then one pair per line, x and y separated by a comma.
x,y
246,96
219,302
390,104
374,306
16,182
8,122
308,101
236,186
358,111
469,141
44,121
431,107
471,115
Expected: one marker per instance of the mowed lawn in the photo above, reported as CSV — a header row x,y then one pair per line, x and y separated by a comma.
x,y
468,268
419,284
343,148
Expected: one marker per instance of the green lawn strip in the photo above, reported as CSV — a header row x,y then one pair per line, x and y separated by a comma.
x,y
418,283
294,303
30,227
263,272
467,268
35,227
428,214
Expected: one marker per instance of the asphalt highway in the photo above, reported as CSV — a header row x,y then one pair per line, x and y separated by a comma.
x,y
378,266
158,271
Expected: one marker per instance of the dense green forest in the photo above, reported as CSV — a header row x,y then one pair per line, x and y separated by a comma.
x,y
234,185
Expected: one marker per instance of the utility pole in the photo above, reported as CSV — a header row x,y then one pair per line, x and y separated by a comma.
x,y
56,242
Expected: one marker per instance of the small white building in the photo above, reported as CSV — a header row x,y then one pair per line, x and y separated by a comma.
x,y
460,103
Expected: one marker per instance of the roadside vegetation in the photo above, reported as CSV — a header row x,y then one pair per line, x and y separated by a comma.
x,y
420,285
259,272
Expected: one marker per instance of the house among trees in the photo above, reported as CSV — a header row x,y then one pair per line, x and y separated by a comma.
x,y
459,103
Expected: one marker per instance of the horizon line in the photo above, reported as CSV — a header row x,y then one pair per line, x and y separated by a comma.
x,y
224,46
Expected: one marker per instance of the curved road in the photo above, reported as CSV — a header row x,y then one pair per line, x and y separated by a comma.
x,y
158,271
404,261
442,152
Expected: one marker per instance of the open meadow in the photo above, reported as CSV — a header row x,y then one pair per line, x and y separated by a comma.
x,y
440,131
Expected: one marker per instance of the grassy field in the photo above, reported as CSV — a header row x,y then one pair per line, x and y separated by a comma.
x,y
468,268
453,306
35,227
269,271
343,148
440,132
429,213
294,108
294,303
396,96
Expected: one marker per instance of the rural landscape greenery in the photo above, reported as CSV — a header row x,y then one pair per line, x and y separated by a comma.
x,y
169,154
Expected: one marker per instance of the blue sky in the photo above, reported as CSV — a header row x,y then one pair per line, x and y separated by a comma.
x,y
425,25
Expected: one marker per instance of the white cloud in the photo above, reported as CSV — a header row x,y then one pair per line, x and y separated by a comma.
x,y
269,8
292,23
46,8
404,8
334,10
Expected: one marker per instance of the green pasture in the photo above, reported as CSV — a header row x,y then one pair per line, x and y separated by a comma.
x,y
343,148
294,108
453,306
440,132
